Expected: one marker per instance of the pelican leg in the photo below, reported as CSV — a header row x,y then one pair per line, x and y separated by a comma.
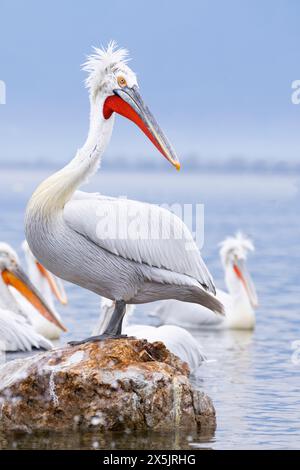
x,y
114,327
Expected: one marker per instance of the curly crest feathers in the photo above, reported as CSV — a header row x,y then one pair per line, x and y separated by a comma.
x,y
102,61
238,245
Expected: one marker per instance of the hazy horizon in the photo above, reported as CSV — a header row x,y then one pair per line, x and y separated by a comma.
x,y
216,75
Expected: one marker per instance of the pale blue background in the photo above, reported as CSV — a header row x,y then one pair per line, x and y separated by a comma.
x,y
217,74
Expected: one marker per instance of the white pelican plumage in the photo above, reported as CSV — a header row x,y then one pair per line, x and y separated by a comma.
x,y
49,286
178,340
90,240
239,302
16,331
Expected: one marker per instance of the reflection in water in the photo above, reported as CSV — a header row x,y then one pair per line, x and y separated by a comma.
x,y
229,365
250,375
110,441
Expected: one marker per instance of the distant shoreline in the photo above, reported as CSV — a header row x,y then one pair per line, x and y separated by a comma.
x,y
229,166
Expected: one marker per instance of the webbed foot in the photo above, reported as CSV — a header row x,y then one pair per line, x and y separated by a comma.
x,y
103,337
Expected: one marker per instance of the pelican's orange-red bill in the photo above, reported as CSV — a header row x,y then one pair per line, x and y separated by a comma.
x,y
59,294
19,280
247,283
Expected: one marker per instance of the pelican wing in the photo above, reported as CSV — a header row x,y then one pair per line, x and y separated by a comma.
x,y
17,335
140,232
191,315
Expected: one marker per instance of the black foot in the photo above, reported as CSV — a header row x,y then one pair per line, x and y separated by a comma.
x,y
103,337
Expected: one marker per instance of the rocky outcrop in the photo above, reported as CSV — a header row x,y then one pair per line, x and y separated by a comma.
x,y
110,385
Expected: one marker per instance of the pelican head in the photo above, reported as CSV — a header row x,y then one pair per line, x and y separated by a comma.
x,y
39,273
13,275
115,83
233,253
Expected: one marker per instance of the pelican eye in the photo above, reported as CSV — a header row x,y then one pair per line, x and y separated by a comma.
x,y
121,82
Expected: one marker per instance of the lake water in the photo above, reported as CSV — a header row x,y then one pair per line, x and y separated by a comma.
x,y
253,377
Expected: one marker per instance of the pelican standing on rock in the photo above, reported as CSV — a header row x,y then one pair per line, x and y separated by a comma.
x,y
178,340
49,286
16,331
71,234
239,302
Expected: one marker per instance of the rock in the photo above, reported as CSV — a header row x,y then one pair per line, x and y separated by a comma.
x,y
109,385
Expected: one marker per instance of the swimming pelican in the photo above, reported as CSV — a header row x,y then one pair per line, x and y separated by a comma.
x,y
96,241
48,286
16,332
178,340
240,301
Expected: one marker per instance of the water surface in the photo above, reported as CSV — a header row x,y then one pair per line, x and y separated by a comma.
x,y
253,377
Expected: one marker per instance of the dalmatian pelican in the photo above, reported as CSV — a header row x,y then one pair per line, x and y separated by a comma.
x,y
105,244
49,287
16,330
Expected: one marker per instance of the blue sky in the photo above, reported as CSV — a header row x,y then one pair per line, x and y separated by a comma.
x,y
217,75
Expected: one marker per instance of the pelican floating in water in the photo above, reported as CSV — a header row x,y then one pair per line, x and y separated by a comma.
x,y
178,340
16,332
239,302
48,286
90,240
